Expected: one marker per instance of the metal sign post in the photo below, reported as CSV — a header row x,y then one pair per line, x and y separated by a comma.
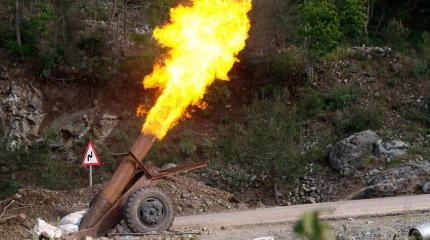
x,y
91,159
91,176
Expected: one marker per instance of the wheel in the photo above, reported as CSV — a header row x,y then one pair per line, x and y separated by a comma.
x,y
148,210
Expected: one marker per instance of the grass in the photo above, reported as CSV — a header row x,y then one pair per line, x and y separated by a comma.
x,y
315,101
39,165
371,117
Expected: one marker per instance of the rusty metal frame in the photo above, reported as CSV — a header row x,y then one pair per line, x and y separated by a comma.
x,y
150,177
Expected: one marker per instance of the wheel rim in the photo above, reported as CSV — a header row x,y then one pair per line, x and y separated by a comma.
x,y
152,211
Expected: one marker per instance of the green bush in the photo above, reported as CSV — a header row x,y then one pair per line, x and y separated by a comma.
x,y
263,140
316,101
311,102
319,26
284,64
157,11
188,145
14,48
396,34
371,117
352,15
310,227
9,187
339,97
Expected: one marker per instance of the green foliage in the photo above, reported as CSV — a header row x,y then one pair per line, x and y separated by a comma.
x,y
424,45
157,12
38,164
339,97
396,34
361,119
188,145
9,187
91,44
44,16
59,176
263,140
313,102
284,64
352,17
416,113
319,25
21,50
140,38
310,227
217,94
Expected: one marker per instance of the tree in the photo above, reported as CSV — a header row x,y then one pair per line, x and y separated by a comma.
x,y
319,26
264,140
352,15
18,13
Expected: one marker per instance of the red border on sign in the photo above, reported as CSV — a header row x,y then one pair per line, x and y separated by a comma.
x,y
95,153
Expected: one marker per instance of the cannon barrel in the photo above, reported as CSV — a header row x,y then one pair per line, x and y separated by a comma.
x,y
119,181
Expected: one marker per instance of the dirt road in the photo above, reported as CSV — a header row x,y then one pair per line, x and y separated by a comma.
x,y
386,218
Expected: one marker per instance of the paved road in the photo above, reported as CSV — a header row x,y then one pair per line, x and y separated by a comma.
x,y
334,211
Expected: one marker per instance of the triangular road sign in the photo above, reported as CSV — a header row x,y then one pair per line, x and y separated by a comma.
x,y
91,158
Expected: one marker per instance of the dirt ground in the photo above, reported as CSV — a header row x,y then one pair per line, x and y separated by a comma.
x,y
18,213
374,228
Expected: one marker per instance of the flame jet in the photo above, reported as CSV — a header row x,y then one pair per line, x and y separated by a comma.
x,y
202,41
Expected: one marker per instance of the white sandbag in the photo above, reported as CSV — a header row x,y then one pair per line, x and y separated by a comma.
x,y
69,228
73,218
42,228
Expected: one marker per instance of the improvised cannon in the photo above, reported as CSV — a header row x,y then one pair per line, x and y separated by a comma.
x,y
131,195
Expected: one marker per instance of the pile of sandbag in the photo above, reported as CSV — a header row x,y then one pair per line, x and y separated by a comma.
x,y
68,224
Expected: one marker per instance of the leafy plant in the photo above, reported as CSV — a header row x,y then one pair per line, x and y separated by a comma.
x,y
314,101
310,227
396,34
319,25
311,102
17,49
339,97
352,17
370,117
263,140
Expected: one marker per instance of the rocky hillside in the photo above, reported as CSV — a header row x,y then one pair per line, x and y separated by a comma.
x,y
47,126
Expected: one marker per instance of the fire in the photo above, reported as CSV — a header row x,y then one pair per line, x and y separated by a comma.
x,y
203,40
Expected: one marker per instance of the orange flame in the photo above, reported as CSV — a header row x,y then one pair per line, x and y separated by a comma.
x,y
202,40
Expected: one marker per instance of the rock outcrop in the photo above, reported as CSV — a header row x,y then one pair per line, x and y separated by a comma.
x,y
392,148
21,112
347,153
406,178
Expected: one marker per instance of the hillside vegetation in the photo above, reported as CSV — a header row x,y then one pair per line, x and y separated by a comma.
x,y
313,72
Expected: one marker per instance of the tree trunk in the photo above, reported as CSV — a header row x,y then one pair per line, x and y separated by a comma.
x,y
18,22
125,18
369,15
309,68
112,16
276,192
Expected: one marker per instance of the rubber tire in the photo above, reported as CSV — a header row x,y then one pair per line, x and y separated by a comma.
x,y
131,211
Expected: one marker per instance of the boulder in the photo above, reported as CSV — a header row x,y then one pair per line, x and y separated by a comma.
x,y
392,148
404,179
345,155
426,187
